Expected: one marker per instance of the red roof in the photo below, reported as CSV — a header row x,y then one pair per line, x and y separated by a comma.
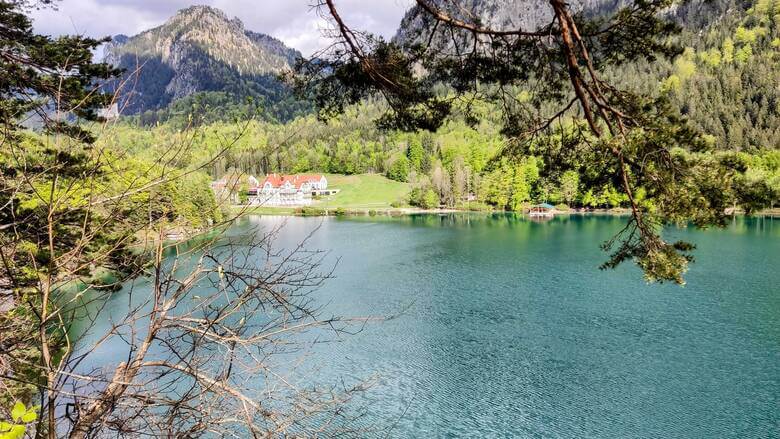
x,y
296,181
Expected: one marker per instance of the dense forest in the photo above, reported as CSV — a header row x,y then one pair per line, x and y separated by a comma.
x,y
726,80
723,83
458,163
90,205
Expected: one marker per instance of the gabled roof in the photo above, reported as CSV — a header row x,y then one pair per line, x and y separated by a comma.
x,y
544,206
274,179
295,181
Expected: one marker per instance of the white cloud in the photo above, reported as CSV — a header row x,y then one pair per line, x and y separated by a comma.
x,y
292,21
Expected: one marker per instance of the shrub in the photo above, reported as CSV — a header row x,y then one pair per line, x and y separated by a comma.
x,y
474,206
399,170
425,198
310,211
372,212
20,417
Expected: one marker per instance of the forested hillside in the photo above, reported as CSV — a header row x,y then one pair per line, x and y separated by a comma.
x,y
726,81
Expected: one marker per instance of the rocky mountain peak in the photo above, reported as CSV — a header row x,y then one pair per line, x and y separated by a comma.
x,y
200,49
211,31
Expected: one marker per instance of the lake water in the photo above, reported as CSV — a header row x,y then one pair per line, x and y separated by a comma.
x,y
510,329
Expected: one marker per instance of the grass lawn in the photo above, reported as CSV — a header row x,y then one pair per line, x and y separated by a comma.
x,y
364,191
264,210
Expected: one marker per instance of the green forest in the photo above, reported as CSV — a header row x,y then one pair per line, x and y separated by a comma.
x,y
723,83
664,128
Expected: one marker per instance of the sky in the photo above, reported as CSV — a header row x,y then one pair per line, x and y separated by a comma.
x,y
292,21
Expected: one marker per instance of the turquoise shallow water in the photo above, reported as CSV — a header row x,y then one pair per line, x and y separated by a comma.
x,y
510,329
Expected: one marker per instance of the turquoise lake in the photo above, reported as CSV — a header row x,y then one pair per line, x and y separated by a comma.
x,y
509,329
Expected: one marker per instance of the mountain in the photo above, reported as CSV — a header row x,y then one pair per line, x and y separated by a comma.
x,y
201,50
495,14
531,15
725,83
528,15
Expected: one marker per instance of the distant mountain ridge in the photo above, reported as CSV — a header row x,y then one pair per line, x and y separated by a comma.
x,y
202,58
200,49
532,15
528,15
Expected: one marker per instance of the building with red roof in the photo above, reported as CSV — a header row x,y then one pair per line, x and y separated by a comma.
x,y
286,190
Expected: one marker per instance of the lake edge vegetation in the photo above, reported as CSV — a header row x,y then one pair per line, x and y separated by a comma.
x,y
82,198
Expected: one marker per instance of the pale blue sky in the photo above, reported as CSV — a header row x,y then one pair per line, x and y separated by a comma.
x,y
292,21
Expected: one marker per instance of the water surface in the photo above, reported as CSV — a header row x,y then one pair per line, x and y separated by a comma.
x,y
510,329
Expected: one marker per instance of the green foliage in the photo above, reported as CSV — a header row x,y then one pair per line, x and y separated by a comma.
x,y
32,64
632,139
310,211
723,85
671,84
731,97
21,416
570,186
208,107
711,58
67,181
193,201
425,198
510,185
416,155
746,36
743,54
684,68
728,50
399,169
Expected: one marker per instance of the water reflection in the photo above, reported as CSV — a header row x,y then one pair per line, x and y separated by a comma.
x,y
510,330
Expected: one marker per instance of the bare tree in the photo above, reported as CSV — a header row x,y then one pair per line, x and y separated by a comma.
x,y
216,335
441,181
213,331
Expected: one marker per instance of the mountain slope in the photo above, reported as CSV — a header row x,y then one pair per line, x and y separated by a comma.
x,y
201,50
528,15
532,15
726,82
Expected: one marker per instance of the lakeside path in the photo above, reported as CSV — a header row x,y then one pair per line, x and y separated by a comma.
x,y
317,210
337,211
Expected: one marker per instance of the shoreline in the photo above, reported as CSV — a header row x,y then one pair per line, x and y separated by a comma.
x,y
405,211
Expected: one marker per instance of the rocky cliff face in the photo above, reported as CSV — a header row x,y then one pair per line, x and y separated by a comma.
x,y
531,15
528,15
199,49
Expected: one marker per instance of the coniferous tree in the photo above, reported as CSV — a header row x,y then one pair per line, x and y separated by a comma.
x,y
632,141
54,79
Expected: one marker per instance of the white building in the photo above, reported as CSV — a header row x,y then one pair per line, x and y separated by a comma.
x,y
287,190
